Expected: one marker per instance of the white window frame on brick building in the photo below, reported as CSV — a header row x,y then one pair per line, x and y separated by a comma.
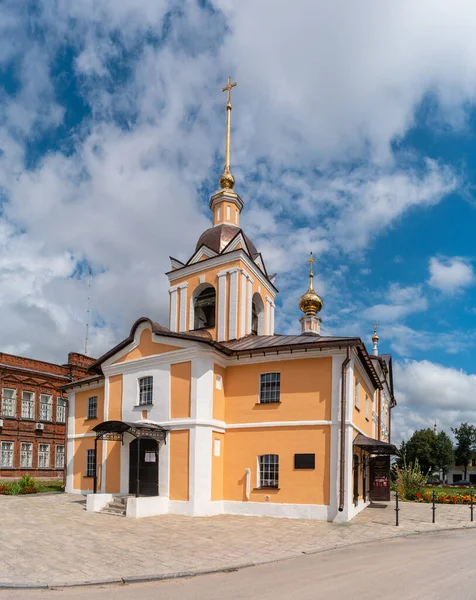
x,y
6,455
26,455
44,456
28,405
9,402
60,410
59,456
46,407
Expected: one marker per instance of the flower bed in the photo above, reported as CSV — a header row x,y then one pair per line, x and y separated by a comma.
x,y
26,485
457,496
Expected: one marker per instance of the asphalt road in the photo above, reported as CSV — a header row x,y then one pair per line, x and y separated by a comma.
x,y
428,566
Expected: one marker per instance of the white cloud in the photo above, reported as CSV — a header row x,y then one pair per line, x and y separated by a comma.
x,y
450,275
402,301
427,392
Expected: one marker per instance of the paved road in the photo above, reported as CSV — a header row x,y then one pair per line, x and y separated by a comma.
x,y
434,566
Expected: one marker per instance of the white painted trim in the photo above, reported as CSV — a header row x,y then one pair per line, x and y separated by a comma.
x,y
174,263
277,424
175,288
277,509
201,252
244,279
221,330
249,306
183,309
96,502
272,356
233,311
239,239
104,445
78,436
271,331
70,442
173,310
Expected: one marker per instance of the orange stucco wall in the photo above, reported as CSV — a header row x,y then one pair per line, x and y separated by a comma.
x,y
146,347
218,442
295,486
81,423
180,387
179,464
80,482
113,471
115,398
306,390
359,418
219,395
234,214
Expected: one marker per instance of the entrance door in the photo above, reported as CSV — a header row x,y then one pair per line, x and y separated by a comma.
x,y
380,478
145,453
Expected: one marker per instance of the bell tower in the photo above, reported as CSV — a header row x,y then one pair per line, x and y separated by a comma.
x,y
223,291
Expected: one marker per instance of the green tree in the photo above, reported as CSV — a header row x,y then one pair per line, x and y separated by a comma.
x,y
421,447
444,453
465,445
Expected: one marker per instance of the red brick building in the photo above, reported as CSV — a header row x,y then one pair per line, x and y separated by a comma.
x,y
34,413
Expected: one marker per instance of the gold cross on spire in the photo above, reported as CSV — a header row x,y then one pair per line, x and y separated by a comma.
x,y
311,274
227,180
228,88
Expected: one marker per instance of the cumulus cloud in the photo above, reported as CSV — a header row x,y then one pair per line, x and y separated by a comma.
x,y
402,301
450,275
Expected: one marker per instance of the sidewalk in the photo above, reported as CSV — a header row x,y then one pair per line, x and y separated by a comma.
x,y
54,541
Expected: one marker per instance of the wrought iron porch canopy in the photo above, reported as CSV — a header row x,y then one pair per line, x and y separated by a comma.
x,y
114,431
375,446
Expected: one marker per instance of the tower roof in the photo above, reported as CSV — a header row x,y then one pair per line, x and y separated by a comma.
x,y
218,237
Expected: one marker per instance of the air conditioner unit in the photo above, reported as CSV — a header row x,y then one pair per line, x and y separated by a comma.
x,y
1,422
39,426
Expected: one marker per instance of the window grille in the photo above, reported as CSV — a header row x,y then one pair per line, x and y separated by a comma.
x,y
26,455
59,457
44,456
93,407
357,395
90,463
270,388
28,405
46,402
6,456
8,402
146,390
268,471
61,410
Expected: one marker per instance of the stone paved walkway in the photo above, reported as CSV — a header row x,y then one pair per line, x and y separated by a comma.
x,y
53,540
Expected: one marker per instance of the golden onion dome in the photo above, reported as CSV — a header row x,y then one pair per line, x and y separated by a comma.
x,y
310,303
375,337
227,181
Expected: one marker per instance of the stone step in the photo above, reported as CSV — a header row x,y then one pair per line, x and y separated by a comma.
x,y
114,510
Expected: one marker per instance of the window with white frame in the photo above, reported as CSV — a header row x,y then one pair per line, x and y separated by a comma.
x,y
146,390
59,457
28,405
60,410
43,456
8,402
366,406
26,455
6,455
46,407
269,388
357,395
268,470
90,463
93,407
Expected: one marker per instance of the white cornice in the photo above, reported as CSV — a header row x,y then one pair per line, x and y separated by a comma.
x,y
271,356
202,251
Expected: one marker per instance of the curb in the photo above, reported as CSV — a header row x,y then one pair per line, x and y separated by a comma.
x,y
189,574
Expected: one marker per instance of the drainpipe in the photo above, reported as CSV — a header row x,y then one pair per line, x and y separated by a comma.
x,y
248,483
342,431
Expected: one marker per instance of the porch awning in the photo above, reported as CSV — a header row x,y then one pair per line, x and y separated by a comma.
x,y
375,446
109,429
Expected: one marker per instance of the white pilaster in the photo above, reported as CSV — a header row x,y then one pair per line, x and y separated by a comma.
x,y
173,310
70,444
221,333
267,324
233,313
183,308
250,305
271,329
243,304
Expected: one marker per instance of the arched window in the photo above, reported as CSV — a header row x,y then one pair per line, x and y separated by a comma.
x,y
257,315
204,306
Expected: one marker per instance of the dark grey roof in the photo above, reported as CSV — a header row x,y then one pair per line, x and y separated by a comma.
x,y
375,446
255,342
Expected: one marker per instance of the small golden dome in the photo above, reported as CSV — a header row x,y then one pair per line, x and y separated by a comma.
x,y
310,303
227,181
375,337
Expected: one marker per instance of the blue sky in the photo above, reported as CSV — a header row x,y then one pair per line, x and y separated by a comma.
x,y
353,136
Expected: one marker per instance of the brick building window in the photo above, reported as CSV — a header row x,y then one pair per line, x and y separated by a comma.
x,y
145,390
90,463
26,455
268,470
8,402
43,456
61,410
28,405
46,406
93,407
6,455
59,457
269,388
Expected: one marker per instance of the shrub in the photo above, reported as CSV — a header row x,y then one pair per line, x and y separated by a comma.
x,y
31,489
409,480
27,482
4,488
15,488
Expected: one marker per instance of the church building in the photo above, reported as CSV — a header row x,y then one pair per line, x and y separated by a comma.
x,y
217,413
